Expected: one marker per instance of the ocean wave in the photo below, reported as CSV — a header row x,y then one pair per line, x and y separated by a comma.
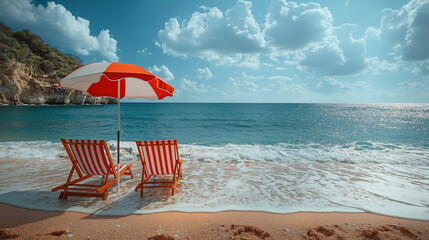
x,y
355,152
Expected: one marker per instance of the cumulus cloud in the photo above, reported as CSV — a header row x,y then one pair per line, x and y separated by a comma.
x,y
304,35
204,73
162,72
299,35
408,27
292,26
56,25
220,37
407,32
187,84
345,56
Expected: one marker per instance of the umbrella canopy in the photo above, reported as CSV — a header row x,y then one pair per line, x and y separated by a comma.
x,y
104,80
117,80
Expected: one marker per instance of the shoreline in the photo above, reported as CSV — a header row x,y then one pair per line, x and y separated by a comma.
x,y
220,188
25,223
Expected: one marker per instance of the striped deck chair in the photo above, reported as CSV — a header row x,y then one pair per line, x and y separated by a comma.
x,y
90,158
159,158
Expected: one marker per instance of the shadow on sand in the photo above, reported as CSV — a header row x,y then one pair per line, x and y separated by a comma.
x,y
127,202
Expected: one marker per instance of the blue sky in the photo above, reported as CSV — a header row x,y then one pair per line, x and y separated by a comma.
x,y
355,51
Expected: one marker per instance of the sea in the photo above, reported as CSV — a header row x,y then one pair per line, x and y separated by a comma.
x,y
279,158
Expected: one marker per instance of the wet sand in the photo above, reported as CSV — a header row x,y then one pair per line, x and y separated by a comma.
x,y
20,223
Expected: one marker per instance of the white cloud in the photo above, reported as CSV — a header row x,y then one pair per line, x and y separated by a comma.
x,y
330,84
162,72
413,85
282,88
304,35
186,84
241,60
144,52
107,45
233,82
252,77
292,26
268,64
204,73
56,25
372,32
241,85
406,30
299,35
378,66
245,86
251,85
342,57
200,36
280,78
422,69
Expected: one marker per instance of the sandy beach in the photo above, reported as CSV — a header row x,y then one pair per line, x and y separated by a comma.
x,y
20,223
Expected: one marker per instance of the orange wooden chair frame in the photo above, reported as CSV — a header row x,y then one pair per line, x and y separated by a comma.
x,y
145,174
73,188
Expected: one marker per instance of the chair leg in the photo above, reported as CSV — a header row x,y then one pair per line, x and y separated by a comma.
x,y
63,195
105,195
172,191
131,173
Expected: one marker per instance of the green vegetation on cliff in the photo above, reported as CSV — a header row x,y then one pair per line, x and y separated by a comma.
x,y
29,48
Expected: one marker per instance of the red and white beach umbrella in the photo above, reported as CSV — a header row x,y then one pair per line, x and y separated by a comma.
x,y
117,80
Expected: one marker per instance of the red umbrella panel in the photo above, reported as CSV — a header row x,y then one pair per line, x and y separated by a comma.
x,y
104,80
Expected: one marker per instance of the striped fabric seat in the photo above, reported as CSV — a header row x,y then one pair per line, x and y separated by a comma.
x,y
89,158
121,168
160,157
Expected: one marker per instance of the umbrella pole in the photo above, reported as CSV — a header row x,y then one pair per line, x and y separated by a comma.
x,y
119,131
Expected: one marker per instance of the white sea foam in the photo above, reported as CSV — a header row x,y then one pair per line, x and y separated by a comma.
x,y
356,177
357,152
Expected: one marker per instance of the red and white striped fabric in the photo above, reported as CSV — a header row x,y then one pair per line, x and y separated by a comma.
x,y
160,156
121,168
102,79
91,157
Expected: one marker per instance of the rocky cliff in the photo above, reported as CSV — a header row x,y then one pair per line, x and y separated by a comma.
x,y
20,84
31,69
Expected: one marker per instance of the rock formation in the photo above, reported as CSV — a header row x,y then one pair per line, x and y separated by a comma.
x,y
20,84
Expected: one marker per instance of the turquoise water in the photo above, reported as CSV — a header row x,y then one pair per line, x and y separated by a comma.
x,y
256,157
222,123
